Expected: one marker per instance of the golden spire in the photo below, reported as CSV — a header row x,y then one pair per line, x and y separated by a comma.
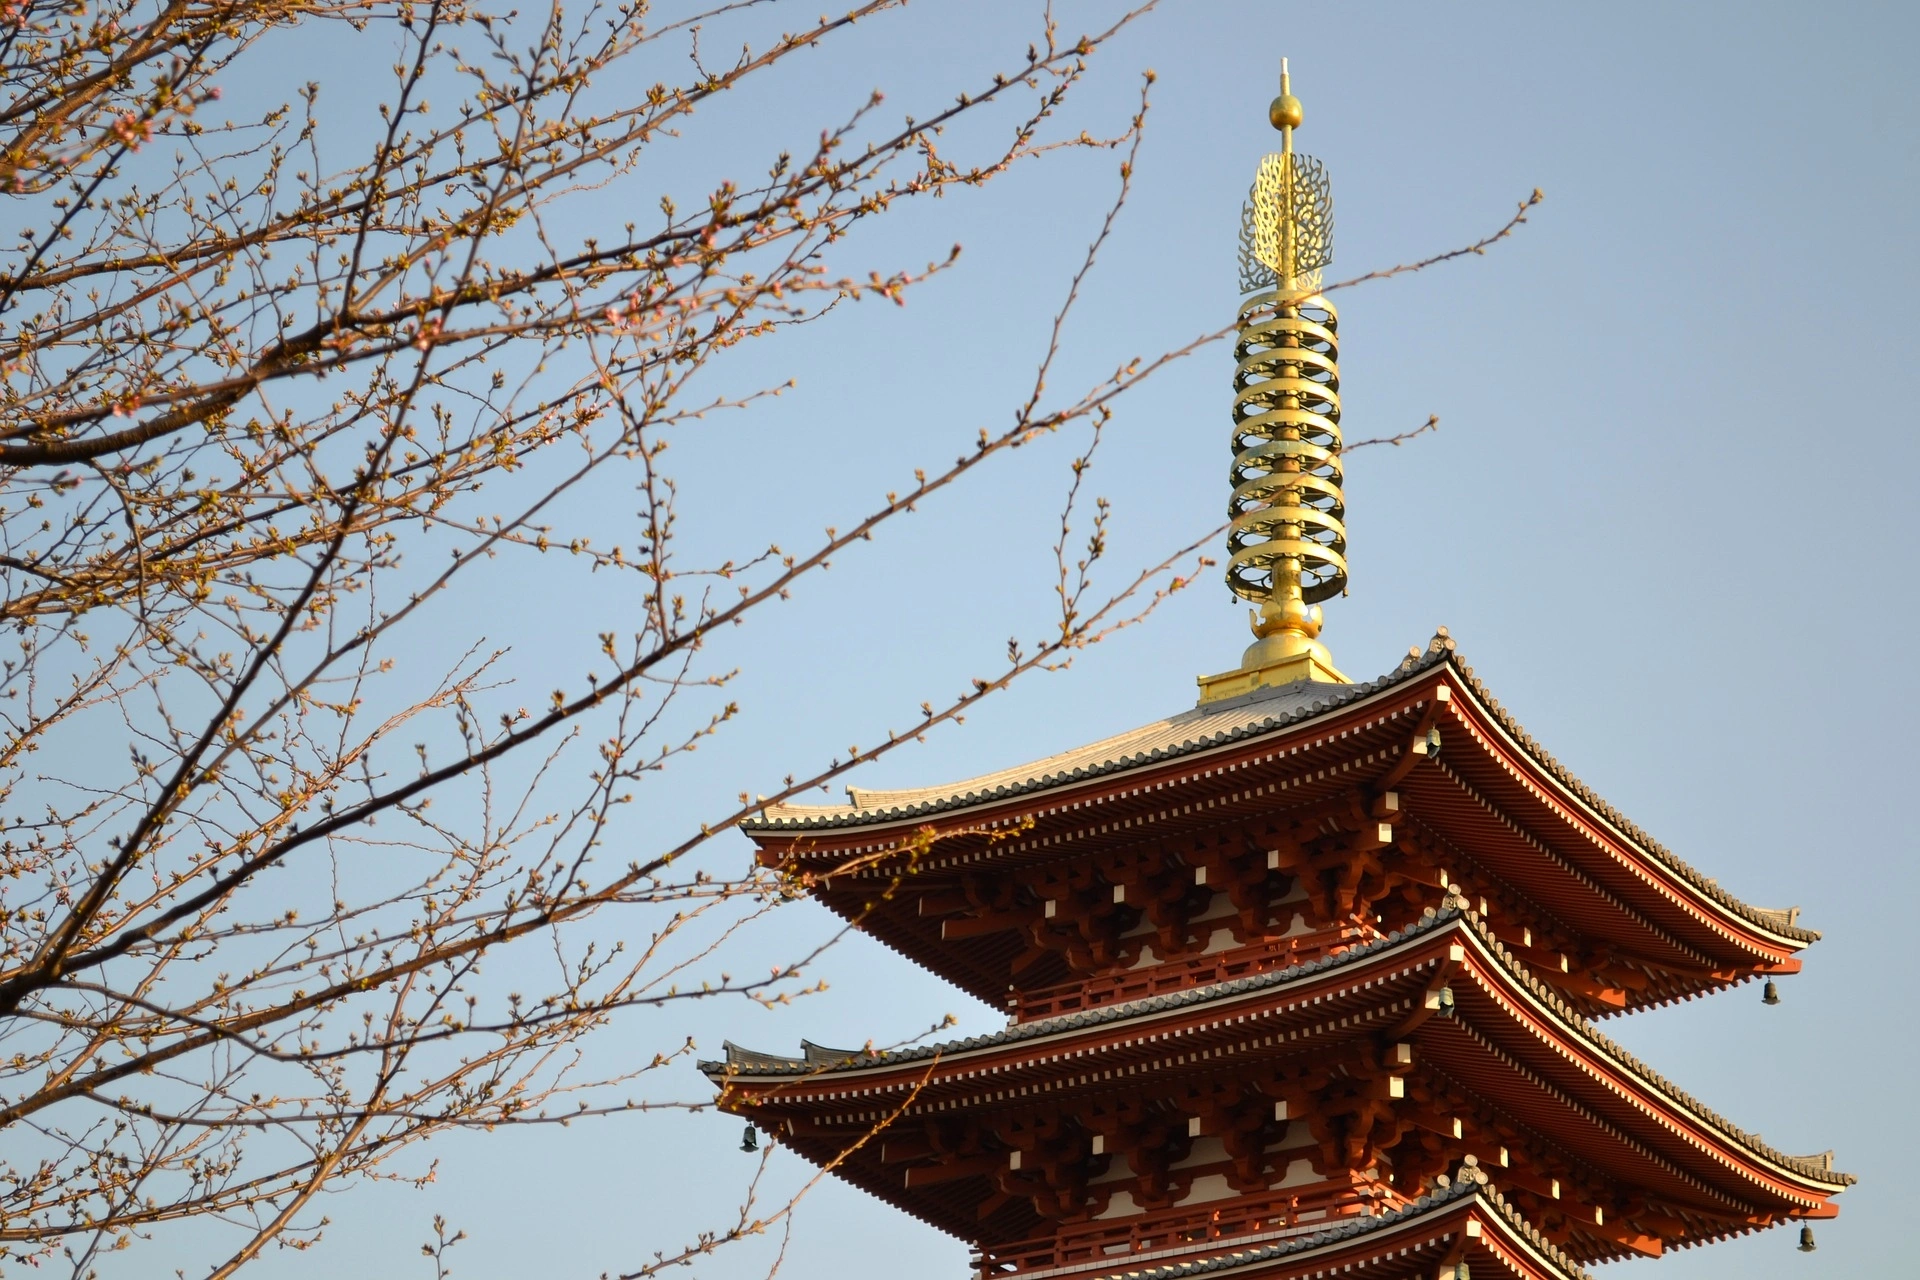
x,y
1288,538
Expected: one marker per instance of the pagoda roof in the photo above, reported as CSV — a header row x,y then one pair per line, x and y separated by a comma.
x,y
1230,728
1466,1196
1616,1072
1203,728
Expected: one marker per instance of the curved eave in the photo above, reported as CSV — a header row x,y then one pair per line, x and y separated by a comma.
x,y
1580,1052
1640,1107
1630,853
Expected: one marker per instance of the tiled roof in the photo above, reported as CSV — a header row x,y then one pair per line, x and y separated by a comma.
x,y
1441,1199
759,1064
1237,719
816,1061
1200,729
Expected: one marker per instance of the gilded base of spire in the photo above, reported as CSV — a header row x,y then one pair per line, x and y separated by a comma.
x,y
1311,663
1288,651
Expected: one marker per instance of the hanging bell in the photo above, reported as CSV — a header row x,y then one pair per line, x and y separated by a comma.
x,y
1445,999
1771,995
1460,1272
1806,1240
1433,744
750,1140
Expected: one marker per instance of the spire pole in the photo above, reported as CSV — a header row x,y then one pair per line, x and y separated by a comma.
x,y
1287,541
1285,121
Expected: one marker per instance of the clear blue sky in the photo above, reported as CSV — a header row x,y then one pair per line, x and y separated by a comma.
x,y
1668,516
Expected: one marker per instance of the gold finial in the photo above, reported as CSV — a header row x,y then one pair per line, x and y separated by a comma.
x,y
1288,538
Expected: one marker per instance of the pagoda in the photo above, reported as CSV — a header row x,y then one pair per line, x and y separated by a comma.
x,y
1302,981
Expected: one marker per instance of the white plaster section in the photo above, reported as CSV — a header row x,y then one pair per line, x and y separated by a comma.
x,y
1205,1151
1219,908
1298,927
1208,1187
1296,894
1298,1172
1297,1135
1208,1150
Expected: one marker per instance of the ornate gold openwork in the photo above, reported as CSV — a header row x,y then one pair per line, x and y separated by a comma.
x,y
1286,225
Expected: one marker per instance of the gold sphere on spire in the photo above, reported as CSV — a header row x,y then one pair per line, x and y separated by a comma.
x,y
1285,112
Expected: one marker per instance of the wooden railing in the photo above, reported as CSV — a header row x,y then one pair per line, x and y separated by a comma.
x,y
1180,974
1173,1228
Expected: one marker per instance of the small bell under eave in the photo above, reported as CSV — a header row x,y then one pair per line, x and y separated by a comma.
x,y
1806,1240
1771,994
750,1141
